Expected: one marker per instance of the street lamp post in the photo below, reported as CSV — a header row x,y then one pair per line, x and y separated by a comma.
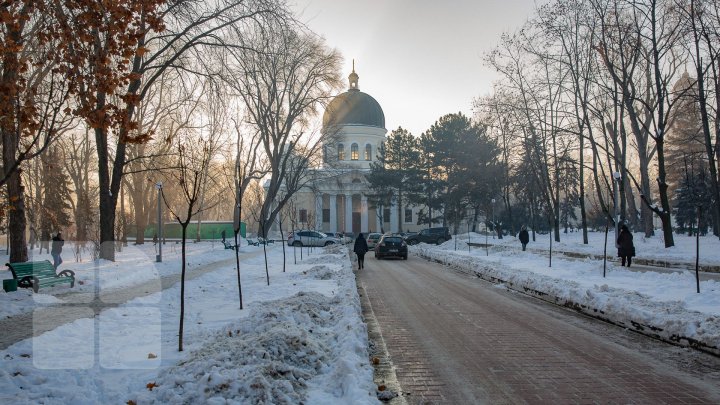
x,y
616,176
158,257
492,210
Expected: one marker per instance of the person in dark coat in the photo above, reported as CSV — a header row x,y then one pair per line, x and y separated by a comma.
x,y
360,249
524,237
223,235
57,244
626,248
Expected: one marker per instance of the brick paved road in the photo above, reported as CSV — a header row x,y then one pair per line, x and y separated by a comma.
x,y
458,340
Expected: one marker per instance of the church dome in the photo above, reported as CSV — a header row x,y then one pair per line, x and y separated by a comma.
x,y
354,108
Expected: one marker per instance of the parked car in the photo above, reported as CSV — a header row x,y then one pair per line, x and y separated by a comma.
x,y
373,239
436,235
407,234
391,246
311,238
343,237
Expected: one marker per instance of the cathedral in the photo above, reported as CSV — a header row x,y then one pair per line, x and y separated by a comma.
x,y
354,129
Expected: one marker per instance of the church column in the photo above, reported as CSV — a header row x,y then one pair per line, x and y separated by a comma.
x,y
318,212
364,221
333,213
348,212
364,226
393,218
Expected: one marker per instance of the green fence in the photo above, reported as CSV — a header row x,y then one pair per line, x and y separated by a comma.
x,y
208,230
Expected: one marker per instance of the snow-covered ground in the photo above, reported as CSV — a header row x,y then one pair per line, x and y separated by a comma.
x,y
298,339
301,338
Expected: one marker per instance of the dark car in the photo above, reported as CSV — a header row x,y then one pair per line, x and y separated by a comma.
x,y
391,246
436,235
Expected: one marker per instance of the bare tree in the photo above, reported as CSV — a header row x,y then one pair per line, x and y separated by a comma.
x,y
32,103
187,26
283,74
701,28
192,160
638,49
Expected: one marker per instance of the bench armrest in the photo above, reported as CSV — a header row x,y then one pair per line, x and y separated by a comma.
x,y
67,273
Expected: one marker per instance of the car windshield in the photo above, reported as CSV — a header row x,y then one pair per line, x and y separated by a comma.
x,y
374,236
393,239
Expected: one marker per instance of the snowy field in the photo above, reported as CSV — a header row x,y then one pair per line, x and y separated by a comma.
x,y
300,339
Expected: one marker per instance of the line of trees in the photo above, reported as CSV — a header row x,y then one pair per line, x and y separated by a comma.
x,y
98,99
594,89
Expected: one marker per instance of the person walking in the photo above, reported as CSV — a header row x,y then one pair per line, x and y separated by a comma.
x,y
524,237
626,248
223,235
57,244
360,249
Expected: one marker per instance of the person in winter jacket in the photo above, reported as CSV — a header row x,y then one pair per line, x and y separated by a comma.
x,y
626,248
524,237
360,249
57,244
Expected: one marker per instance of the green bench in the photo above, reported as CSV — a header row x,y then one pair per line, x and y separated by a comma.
x,y
39,274
228,245
260,241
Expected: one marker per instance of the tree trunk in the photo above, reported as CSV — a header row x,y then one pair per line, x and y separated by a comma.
x,y
663,187
16,218
182,288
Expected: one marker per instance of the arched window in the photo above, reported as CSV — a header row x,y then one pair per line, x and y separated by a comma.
x,y
354,153
368,152
341,152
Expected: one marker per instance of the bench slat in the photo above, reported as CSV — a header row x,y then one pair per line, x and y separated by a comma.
x,y
43,272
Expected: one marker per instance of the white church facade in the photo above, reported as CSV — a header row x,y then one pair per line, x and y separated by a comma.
x,y
354,129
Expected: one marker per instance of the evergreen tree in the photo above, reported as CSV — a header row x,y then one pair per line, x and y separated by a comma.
x,y
691,195
395,173
55,208
462,167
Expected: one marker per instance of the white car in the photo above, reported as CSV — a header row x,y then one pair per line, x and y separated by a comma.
x,y
345,238
373,239
311,238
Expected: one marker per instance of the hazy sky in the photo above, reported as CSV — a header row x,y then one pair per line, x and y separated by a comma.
x,y
420,59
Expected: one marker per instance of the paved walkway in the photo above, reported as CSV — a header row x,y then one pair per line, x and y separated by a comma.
x,y
707,271
23,326
456,339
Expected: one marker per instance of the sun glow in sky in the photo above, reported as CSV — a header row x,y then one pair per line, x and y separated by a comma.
x,y
420,59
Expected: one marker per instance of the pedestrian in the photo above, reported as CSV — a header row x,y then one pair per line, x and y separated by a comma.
x,y
223,235
626,248
360,249
57,244
524,237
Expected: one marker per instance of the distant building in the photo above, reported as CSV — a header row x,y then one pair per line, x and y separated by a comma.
x,y
337,201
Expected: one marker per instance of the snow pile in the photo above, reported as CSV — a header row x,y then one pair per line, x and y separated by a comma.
x,y
267,358
300,339
661,311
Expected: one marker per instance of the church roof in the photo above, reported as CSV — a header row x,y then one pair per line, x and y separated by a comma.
x,y
354,107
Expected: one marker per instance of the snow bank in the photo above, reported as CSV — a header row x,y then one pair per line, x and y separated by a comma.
x,y
300,339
